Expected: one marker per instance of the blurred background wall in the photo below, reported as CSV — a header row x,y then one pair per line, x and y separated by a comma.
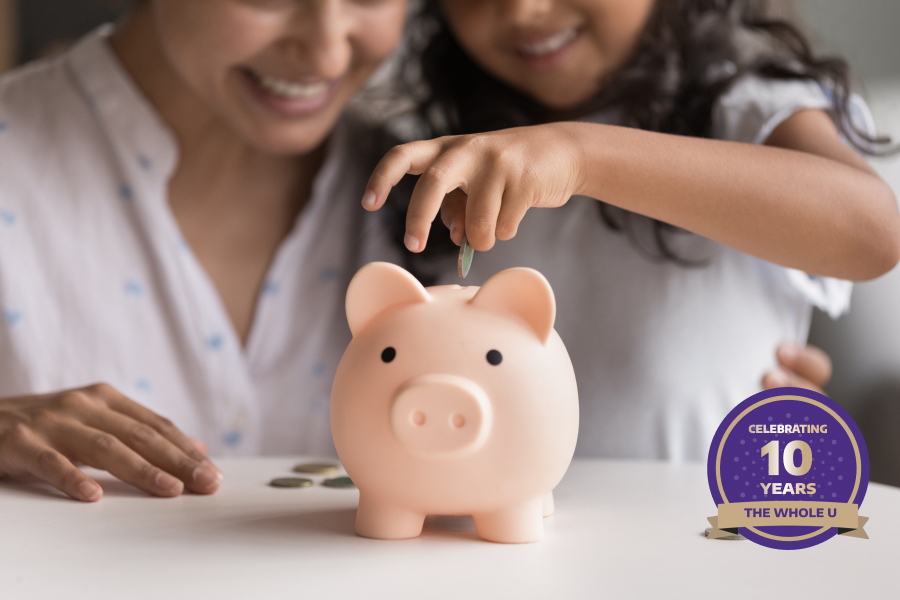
x,y
865,344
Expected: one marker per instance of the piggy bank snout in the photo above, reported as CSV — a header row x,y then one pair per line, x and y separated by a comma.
x,y
441,416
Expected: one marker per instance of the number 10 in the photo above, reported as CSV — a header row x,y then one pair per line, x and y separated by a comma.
x,y
772,450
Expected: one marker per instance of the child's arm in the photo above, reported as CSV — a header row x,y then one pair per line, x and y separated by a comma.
x,y
805,200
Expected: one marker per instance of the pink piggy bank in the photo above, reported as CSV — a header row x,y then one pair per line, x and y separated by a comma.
x,y
454,401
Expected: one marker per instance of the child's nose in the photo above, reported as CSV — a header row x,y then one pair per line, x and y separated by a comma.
x,y
527,11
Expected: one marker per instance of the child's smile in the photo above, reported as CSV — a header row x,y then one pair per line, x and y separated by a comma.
x,y
550,50
556,51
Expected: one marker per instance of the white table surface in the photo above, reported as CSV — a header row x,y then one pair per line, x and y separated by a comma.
x,y
621,530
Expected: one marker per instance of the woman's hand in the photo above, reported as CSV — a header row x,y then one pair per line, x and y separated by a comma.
x,y
799,366
43,436
482,184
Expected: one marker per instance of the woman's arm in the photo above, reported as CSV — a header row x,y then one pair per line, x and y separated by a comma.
x,y
45,436
804,201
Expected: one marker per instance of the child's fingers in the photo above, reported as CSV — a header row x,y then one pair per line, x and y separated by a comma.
x,y
198,475
512,211
482,208
105,451
453,214
31,455
445,174
808,362
413,159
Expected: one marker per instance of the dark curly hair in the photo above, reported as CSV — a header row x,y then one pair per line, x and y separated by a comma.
x,y
690,53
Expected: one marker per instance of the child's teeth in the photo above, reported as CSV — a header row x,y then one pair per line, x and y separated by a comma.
x,y
549,45
291,89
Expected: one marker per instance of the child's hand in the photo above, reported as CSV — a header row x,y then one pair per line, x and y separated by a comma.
x,y
799,366
42,436
482,183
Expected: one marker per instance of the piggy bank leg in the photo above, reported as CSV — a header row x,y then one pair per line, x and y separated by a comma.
x,y
385,521
518,524
549,506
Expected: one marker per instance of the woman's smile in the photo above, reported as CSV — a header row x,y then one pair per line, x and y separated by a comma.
x,y
290,98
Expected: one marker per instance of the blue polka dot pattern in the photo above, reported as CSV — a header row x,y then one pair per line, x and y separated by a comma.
x,y
215,342
133,288
11,316
143,385
144,162
3,126
8,218
233,438
271,288
126,193
330,274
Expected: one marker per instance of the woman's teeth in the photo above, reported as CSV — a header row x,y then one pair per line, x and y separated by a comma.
x,y
291,89
549,45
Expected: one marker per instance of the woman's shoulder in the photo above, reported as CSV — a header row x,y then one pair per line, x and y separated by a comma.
x,y
39,91
40,107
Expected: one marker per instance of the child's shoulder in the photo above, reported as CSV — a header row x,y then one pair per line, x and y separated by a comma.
x,y
754,106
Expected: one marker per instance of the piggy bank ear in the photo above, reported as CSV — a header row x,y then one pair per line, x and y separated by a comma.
x,y
522,293
377,287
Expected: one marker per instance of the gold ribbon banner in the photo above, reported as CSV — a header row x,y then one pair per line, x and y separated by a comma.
x,y
787,513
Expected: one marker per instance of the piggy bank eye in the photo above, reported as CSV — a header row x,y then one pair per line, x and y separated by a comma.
x,y
388,354
494,357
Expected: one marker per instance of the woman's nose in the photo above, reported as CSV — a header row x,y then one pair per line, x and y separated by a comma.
x,y
321,40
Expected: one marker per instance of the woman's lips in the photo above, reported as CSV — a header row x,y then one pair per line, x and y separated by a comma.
x,y
288,98
548,51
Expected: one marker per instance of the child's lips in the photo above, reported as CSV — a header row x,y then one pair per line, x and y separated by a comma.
x,y
549,44
548,50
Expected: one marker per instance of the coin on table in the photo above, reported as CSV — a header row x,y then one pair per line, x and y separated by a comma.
x,y
339,482
727,537
290,482
316,468
466,252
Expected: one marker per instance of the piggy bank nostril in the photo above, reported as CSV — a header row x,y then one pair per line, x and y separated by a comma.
x,y
418,418
458,420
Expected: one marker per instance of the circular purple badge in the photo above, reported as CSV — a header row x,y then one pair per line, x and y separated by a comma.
x,y
788,469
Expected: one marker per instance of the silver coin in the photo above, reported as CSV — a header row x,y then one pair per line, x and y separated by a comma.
x,y
316,468
290,482
466,253
339,482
